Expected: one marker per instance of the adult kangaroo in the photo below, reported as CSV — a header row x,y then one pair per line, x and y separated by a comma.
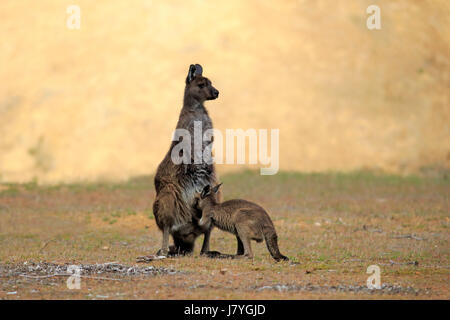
x,y
177,184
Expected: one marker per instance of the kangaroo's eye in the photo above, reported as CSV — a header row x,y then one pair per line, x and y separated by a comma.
x,y
201,85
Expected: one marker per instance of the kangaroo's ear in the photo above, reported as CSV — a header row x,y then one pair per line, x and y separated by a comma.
x,y
198,70
194,70
216,188
191,74
205,192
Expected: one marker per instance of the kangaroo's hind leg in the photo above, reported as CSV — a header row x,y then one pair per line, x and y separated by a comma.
x,y
240,247
165,243
244,235
247,248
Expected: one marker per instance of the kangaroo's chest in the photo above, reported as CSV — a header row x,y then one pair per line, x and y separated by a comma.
x,y
199,172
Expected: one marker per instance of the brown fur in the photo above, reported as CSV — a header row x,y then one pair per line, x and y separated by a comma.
x,y
176,185
245,219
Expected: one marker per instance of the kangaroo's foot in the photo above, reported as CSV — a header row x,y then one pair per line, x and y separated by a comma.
x,y
282,258
162,252
210,254
217,255
171,252
175,251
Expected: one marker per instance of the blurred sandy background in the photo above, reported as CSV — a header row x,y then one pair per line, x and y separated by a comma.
x,y
101,102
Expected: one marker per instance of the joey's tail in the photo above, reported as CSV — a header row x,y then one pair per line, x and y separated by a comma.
x,y
272,244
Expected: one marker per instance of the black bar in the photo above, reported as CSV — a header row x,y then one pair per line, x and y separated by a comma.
x,y
223,309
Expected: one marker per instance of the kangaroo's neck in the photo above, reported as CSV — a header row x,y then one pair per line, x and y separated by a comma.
x,y
191,103
193,110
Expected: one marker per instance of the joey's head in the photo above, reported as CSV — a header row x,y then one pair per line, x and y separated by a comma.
x,y
198,87
206,199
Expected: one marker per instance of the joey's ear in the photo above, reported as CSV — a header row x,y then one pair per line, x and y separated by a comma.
x,y
206,191
216,188
191,74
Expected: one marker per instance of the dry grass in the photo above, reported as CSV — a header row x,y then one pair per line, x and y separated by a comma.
x,y
333,225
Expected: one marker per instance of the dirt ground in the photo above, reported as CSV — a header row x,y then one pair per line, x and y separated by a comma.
x,y
332,226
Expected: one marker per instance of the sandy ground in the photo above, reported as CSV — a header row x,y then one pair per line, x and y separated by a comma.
x,y
331,226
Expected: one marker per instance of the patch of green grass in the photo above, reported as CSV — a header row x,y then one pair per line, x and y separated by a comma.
x,y
149,213
116,214
27,236
64,236
10,189
246,179
131,212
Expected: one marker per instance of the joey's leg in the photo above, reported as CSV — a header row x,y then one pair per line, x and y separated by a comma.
x,y
240,247
205,246
247,247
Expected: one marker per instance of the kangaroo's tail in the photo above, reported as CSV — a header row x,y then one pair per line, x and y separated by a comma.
x,y
272,243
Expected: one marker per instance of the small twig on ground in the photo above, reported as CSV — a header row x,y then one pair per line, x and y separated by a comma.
x,y
68,275
435,266
366,228
45,245
353,260
391,263
408,236
107,263
149,258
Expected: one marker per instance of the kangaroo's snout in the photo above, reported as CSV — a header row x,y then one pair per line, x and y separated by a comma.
x,y
214,94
